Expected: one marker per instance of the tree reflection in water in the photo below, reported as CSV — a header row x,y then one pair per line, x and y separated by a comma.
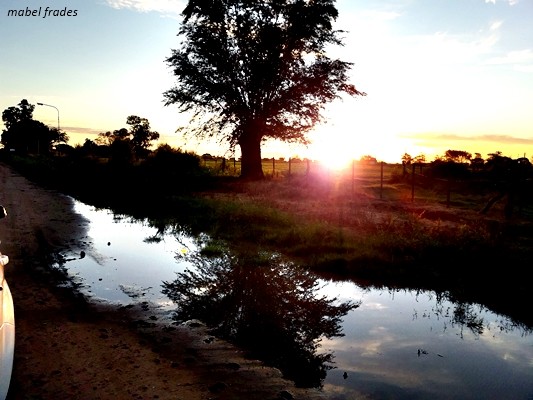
x,y
268,307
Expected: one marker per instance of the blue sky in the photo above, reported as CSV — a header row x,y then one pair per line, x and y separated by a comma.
x,y
440,74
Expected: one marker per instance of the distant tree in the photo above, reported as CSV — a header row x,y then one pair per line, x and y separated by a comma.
x,y
26,135
64,149
477,162
255,70
498,166
419,159
108,138
407,159
91,148
457,156
367,159
141,135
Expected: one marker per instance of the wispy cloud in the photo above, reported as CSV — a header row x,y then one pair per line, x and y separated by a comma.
x,y
511,2
81,130
504,139
520,60
496,25
167,7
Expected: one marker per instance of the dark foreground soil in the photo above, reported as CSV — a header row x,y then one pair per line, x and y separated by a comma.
x,y
67,348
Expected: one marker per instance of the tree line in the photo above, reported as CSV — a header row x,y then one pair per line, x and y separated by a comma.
x,y
25,135
460,164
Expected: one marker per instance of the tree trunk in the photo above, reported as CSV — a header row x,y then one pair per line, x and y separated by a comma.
x,y
251,166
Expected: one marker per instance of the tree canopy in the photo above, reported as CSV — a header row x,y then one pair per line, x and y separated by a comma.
x,y
249,71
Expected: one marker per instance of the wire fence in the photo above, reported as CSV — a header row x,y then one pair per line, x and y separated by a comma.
x,y
387,181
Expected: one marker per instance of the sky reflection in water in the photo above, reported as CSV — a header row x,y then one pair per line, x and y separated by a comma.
x,y
398,345
383,336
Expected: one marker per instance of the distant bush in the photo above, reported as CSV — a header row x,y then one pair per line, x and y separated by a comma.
x,y
166,159
448,170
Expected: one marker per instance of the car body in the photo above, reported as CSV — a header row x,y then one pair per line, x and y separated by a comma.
x,y
7,331
7,326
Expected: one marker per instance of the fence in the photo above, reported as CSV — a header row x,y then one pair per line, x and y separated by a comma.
x,y
271,167
354,175
385,181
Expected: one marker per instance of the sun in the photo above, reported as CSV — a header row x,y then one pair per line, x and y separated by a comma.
x,y
334,159
332,152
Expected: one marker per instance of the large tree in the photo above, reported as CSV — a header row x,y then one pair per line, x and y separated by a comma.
x,y
256,69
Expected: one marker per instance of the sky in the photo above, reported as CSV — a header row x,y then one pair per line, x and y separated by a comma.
x,y
439,75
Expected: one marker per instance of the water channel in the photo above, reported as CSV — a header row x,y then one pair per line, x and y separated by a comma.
x,y
396,344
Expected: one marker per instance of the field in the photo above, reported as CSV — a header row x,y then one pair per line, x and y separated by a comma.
x,y
377,180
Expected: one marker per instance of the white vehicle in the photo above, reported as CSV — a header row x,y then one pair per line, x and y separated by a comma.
x,y
7,326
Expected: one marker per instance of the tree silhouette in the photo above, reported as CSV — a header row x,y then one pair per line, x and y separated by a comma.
x,y
458,156
108,138
14,115
26,135
137,139
254,70
141,135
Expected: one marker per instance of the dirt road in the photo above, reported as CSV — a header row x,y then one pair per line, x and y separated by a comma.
x,y
67,348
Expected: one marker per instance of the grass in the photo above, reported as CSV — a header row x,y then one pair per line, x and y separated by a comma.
x,y
317,222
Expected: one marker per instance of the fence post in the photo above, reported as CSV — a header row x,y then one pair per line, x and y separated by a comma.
x,y
381,186
290,165
353,177
273,167
448,190
307,171
413,183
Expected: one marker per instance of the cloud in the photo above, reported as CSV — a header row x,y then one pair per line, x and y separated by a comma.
x,y
521,60
504,139
496,25
80,130
511,2
171,8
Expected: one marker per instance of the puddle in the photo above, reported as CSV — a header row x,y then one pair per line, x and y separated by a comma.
x,y
396,344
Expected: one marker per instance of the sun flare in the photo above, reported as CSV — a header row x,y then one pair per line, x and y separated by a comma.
x,y
332,151
334,159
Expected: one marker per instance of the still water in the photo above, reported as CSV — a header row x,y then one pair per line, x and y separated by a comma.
x,y
396,344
